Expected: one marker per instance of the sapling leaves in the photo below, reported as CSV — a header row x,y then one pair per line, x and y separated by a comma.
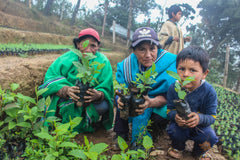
x,y
188,80
174,75
145,79
24,124
85,43
99,148
86,142
87,68
181,94
41,91
122,87
44,135
122,143
78,154
178,87
75,122
14,86
147,142
180,84
26,98
12,111
68,145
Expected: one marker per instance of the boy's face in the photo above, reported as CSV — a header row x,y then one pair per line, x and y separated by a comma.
x,y
176,17
188,68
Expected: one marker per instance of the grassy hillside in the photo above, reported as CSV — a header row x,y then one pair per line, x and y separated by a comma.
x,y
22,24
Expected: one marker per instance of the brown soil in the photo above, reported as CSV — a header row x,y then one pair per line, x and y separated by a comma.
x,y
161,145
29,72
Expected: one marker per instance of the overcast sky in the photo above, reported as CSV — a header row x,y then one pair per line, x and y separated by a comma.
x,y
91,4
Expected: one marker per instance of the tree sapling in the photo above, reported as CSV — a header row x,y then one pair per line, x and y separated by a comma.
x,y
86,70
181,105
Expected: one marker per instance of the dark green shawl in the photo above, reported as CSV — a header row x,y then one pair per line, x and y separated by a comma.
x,y
62,73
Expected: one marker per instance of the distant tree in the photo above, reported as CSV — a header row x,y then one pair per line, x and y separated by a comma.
x,y
105,16
48,8
62,9
40,5
75,12
119,11
129,21
220,28
29,3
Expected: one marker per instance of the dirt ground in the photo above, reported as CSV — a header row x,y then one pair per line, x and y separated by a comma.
x,y
29,72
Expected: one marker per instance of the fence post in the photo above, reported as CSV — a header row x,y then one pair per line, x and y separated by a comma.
x,y
114,32
226,68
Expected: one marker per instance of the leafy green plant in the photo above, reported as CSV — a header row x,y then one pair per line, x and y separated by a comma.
x,y
179,86
144,80
59,143
226,124
54,144
86,68
19,120
127,154
181,105
122,87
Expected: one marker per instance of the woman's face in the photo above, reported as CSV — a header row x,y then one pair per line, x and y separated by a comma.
x,y
91,48
146,53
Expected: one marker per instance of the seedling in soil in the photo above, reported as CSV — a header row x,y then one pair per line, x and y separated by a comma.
x,y
86,70
182,106
141,87
125,99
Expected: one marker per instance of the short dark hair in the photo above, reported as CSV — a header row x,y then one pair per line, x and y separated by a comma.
x,y
196,54
77,40
173,9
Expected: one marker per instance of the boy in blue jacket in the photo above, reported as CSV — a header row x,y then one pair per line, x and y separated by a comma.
x,y
202,99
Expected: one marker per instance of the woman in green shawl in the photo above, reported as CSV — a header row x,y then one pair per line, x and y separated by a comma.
x,y
60,79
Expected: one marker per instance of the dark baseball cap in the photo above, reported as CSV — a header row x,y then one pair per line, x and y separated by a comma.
x,y
144,34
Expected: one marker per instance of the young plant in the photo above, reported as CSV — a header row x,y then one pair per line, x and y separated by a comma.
x,y
125,98
144,80
182,106
54,144
86,70
127,154
141,87
60,143
19,121
180,84
121,87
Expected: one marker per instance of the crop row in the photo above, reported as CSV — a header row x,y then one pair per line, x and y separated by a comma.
x,y
30,49
227,124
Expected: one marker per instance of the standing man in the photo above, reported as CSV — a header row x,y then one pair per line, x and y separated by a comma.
x,y
170,35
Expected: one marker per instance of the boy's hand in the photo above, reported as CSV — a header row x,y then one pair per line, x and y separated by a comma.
x,y
181,122
193,121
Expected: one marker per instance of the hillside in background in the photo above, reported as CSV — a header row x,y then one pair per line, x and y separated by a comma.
x,y
20,24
